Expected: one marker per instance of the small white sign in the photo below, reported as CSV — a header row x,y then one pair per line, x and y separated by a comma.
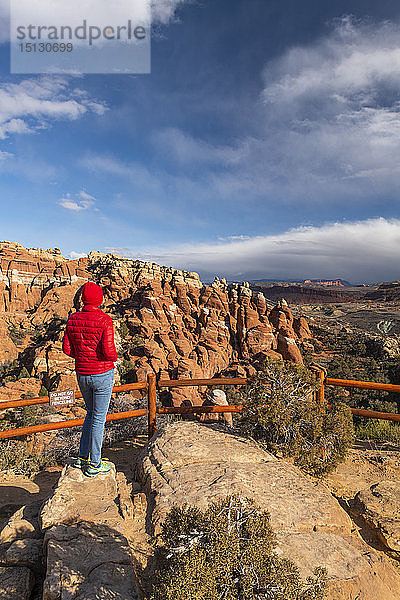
x,y
63,398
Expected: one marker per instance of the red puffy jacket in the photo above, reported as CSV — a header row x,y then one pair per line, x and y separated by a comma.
x,y
89,338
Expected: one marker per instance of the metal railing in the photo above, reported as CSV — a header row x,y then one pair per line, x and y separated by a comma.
x,y
151,386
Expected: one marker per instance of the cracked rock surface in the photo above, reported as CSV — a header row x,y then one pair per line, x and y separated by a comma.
x,y
88,553
80,544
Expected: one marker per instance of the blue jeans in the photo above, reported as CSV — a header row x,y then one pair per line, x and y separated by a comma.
x,y
96,392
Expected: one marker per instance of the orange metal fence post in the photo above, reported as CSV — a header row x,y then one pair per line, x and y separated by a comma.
x,y
152,404
320,373
321,390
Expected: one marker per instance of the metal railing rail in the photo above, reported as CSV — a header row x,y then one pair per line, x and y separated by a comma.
x,y
152,410
141,385
365,385
9,433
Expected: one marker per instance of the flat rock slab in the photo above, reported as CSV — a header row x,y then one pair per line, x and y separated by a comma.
x,y
195,464
355,572
79,498
88,562
380,505
218,464
88,554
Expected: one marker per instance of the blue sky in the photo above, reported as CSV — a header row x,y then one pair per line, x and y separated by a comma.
x,y
264,143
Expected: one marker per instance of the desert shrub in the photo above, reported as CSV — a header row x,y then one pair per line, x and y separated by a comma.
x,y
29,416
282,413
126,371
38,333
129,341
123,329
227,551
18,456
24,373
16,334
363,369
378,431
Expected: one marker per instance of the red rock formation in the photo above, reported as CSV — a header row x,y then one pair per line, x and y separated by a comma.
x,y
8,350
26,273
166,321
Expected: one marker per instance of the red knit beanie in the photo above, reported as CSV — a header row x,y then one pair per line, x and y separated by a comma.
x,y
92,294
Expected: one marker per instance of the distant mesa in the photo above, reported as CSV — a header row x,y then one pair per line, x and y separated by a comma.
x,y
326,282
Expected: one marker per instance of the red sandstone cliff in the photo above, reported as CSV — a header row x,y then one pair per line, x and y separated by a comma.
x,y
166,321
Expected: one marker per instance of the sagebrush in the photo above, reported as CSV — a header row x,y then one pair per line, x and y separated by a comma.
x,y
378,431
282,413
227,552
20,458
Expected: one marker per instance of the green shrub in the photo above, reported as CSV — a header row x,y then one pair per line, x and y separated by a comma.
x,y
29,415
43,392
282,413
227,551
378,430
123,329
18,457
16,334
24,373
126,371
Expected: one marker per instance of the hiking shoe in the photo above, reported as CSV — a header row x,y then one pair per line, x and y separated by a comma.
x,y
103,467
80,463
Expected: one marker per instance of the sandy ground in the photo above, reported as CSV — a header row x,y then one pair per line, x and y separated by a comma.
x,y
367,463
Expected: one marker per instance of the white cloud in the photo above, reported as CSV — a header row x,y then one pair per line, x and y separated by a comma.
x,y
154,192
325,129
347,65
32,104
231,238
75,255
332,112
358,251
32,168
82,201
85,196
162,11
327,125
133,171
185,149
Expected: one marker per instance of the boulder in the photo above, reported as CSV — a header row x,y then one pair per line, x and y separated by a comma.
x,y
88,561
380,505
195,464
22,524
77,498
86,524
16,583
26,553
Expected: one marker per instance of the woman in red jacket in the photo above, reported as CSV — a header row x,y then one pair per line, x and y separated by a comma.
x,y
89,339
